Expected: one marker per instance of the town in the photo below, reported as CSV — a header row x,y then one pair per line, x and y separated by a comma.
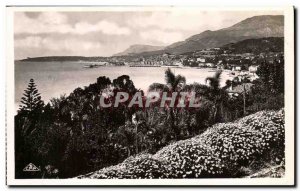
x,y
240,65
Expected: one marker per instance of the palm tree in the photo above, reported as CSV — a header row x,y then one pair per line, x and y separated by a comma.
x,y
174,83
218,95
214,82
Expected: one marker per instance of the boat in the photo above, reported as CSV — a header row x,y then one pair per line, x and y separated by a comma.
x,y
92,65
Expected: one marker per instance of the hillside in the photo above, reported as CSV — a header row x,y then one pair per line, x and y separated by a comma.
x,y
250,28
244,148
254,27
256,46
139,48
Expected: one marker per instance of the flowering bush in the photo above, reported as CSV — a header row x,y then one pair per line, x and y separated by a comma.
x,y
221,151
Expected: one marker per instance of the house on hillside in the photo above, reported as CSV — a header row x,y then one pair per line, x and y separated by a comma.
x,y
253,77
253,69
239,89
200,59
236,68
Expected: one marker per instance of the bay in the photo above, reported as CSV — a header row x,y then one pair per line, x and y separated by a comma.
x,y
56,78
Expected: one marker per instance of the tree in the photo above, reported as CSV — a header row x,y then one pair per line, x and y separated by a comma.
x,y
124,83
272,75
32,99
268,90
218,95
174,83
214,82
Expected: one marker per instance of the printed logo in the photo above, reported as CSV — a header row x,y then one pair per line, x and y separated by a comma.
x,y
31,168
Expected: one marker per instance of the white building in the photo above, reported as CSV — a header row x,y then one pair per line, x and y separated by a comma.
x,y
200,59
253,68
237,68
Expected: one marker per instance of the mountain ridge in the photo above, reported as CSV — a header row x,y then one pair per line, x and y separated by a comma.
x,y
139,48
251,28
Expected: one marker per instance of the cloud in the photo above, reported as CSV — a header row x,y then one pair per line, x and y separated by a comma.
x,y
193,20
104,33
29,42
52,18
103,26
161,36
175,20
54,22
52,44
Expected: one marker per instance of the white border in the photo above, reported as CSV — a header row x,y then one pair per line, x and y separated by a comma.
x,y
289,107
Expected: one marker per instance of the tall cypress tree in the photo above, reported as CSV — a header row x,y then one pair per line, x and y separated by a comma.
x,y
31,99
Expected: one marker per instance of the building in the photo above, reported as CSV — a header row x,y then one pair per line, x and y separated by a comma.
x,y
200,59
220,65
210,65
253,77
236,68
202,65
178,63
253,69
239,89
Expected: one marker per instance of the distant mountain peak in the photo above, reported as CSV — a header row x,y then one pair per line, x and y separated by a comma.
x,y
139,48
260,21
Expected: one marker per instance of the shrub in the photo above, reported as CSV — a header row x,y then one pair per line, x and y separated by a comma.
x,y
224,150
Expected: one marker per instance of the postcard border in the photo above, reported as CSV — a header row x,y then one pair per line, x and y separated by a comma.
x,y
290,112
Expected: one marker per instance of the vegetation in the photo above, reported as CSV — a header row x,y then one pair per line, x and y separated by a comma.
x,y
32,99
232,150
268,91
256,46
73,135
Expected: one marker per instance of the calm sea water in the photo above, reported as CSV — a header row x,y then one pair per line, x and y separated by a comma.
x,y
56,78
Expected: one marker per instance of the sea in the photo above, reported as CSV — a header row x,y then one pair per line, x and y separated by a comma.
x,y
57,78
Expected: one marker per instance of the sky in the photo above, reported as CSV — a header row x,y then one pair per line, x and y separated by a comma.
x,y
106,33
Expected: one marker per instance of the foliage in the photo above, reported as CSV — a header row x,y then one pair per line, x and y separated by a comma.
x,y
218,96
222,150
256,46
32,99
272,75
268,90
73,135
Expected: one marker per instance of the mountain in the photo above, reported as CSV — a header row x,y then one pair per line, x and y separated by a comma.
x,y
250,28
256,46
254,27
139,48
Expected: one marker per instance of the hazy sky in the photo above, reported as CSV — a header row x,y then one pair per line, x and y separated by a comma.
x,y
107,33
